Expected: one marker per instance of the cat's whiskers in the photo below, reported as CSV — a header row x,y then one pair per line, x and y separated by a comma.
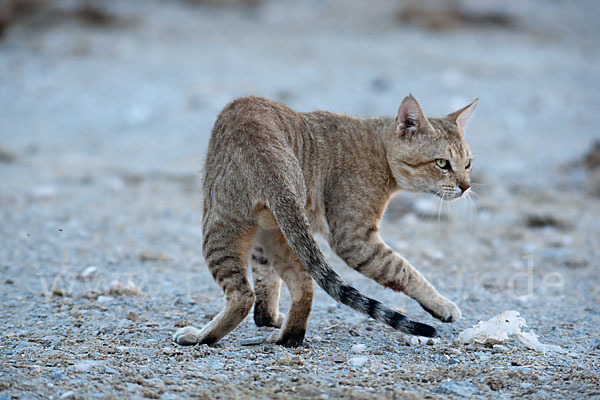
x,y
472,208
441,200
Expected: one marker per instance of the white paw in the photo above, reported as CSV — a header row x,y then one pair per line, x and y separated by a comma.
x,y
452,311
444,310
275,336
279,320
187,336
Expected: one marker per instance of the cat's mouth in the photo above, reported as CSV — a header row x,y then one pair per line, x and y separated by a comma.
x,y
450,194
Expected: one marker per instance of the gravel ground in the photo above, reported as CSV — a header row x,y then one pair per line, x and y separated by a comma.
x,y
104,126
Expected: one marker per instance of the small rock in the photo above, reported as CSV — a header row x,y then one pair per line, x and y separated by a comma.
x,y
316,339
58,291
9,282
83,366
453,360
146,373
291,361
148,255
88,272
111,371
104,299
128,289
358,361
150,394
542,221
358,348
254,341
577,263
133,316
457,388
70,395
499,348
338,358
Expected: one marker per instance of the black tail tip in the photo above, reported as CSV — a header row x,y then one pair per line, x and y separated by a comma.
x,y
419,329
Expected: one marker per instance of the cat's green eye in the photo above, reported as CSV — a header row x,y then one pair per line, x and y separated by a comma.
x,y
443,164
468,164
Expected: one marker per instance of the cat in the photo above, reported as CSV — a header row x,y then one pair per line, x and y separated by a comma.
x,y
274,176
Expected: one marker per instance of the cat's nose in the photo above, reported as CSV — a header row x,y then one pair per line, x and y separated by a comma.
x,y
464,187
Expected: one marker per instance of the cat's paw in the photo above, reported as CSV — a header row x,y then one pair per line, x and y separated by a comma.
x,y
290,338
444,310
187,336
264,319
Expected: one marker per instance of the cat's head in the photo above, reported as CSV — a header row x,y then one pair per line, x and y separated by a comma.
x,y
430,155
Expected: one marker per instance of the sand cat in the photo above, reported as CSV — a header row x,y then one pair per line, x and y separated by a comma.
x,y
274,176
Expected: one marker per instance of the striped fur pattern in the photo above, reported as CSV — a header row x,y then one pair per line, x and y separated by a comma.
x,y
274,177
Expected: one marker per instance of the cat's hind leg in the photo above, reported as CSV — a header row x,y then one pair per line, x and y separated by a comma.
x,y
301,288
226,249
267,287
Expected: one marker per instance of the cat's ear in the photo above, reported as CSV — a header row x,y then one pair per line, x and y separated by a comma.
x,y
410,116
461,116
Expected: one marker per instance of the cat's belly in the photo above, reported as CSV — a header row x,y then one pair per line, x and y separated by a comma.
x,y
317,222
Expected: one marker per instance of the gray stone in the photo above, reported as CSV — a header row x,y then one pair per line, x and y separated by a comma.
x,y
254,341
457,388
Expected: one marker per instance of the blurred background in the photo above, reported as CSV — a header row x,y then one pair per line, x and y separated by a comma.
x,y
136,85
106,108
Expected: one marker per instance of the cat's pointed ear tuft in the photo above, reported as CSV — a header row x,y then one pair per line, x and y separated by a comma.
x,y
461,116
410,116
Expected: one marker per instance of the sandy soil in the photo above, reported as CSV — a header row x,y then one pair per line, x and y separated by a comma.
x,y
104,124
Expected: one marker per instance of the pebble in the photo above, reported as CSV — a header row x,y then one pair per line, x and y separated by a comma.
x,y
70,395
358,361
124,289
133,316
148,255
291,361
88,272
111,371
146,372
254,341
457,388
83,366
338,358
499,348
358,348
104,299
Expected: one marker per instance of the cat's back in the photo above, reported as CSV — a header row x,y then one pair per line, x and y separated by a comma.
x,y
251,116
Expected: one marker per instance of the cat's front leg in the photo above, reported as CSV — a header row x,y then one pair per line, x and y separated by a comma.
x,y
364,250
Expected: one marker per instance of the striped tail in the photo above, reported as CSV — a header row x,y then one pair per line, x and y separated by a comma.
x,y
294,225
